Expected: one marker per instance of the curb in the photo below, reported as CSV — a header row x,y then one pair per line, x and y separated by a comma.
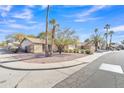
x,y
31,66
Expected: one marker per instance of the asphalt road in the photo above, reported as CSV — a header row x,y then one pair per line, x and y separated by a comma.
x,y
105,72
78,76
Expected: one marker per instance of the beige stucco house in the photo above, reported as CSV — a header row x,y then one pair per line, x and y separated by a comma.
x,y
32,45
88,45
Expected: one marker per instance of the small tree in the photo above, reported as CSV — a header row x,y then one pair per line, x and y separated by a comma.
x,y
64,38
87,40
42,35
32,36
16,37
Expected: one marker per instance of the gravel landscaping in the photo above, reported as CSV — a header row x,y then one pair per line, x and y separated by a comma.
x,y
40,58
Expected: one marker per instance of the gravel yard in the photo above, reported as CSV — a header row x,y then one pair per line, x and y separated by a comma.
x,y
40,58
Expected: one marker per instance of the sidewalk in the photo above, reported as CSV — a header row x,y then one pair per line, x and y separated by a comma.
x,y
20,65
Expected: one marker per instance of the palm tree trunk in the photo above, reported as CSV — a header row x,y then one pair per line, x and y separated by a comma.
x,y
106,42
110,41
46,45
52,42
96,46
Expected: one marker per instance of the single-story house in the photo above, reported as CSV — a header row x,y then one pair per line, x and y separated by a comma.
x,y
33,45
88,45
70,47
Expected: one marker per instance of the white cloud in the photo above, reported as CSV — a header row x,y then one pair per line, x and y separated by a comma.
x,y
91,10
8,21
85,16
6,31
86,19
24,27
31,22
31,6
17,26
4,9
25,14
44,7
41,6
118,28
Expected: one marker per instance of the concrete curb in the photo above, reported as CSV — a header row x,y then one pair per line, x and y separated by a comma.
x,y
20,65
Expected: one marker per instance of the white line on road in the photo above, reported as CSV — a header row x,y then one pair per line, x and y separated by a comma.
x,y
111,67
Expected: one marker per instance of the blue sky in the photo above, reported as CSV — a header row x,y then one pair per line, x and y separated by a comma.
x,y
30,19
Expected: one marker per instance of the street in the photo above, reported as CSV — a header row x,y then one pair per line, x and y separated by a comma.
x,y
106,71
95,75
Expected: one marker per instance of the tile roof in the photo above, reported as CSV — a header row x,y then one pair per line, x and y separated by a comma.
x,y
35,40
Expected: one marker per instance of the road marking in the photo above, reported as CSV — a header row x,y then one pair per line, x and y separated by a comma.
x,y
111,68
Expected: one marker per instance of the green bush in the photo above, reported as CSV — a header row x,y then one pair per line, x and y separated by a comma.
x,y
82,51
66,51
70,51
76,50
87,51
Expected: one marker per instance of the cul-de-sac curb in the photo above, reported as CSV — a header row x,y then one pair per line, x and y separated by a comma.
x,y
20,65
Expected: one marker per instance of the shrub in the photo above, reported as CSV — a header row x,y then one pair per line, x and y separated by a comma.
x,y
70,51
82,51
76,50
87,51
66,51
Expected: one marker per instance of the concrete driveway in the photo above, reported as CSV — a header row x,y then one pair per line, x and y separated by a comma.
x,y
105,72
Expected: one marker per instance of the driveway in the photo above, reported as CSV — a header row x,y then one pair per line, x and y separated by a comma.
x,y
105,72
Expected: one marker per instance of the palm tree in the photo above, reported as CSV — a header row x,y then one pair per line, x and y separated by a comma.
x,y
54,24
46,40
107,27
96,30
122,42
111,34
96,39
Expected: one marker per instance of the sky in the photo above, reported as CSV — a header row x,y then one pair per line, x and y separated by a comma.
x,y
83,19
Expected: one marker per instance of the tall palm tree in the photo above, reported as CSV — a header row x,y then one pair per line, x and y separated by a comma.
x,y
96,30
54,24
111,34
107,27
46,40
96,39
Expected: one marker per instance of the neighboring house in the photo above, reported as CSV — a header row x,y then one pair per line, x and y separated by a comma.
x,y
115,46
70,47
33,45
88,45
74,46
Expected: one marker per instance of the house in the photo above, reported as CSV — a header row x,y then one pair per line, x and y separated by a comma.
x,y
70,47
88,45
33,45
